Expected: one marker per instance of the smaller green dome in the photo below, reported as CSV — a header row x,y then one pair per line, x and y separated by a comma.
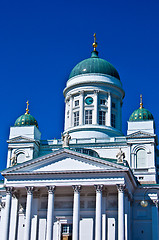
x,y
25,120
141,114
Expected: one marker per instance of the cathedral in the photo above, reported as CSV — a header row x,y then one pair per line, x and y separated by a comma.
x,y
94,183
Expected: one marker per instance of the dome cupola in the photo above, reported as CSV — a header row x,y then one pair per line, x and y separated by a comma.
x,y
26,119
93,99
141,114
94,64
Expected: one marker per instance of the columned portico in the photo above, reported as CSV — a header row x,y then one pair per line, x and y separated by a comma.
x,y
121,214
98,221
7,212
28,212
76,211
50,213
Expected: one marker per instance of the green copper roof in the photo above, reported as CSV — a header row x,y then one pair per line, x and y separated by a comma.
x,y
141,114
25,120
94,64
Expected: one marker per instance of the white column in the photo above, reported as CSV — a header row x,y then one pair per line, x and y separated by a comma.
x,y
118,114
81,113
98,221
7,213
109,109
121,214
50,213
155,220
9,157
95,114
27,232
76,212
66,115
104,220
71,112
127,216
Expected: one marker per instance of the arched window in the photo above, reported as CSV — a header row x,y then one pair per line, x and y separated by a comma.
x,y
141,159
20,157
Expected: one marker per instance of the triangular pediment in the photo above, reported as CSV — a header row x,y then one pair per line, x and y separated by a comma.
x,y
62,161
21,139
140,134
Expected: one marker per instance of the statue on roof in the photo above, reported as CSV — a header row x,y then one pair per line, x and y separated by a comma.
x,y
13,159
66,139
120,156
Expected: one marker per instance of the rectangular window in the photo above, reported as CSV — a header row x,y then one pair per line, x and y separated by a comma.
x,y
88,117
66,228
101,118
76,103
113,120
76,118
113,105
102,101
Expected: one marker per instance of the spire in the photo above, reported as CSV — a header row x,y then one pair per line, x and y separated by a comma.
x,y
27,109
95,43
141,103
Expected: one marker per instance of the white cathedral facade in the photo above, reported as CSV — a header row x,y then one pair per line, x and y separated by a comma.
x,y
92,184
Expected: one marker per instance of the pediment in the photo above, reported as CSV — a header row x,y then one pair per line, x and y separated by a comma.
x,y
20,139
140,134
62,161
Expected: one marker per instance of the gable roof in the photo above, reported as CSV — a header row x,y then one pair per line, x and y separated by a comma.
x,y
141,134
50,163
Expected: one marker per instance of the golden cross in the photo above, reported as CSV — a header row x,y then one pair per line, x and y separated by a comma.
x,y
94,37
141,103
95,43
27,109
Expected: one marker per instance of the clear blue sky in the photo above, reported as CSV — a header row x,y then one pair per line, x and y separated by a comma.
x,y
41,41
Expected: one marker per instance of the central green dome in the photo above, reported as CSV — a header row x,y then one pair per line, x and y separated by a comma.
x,y
94,64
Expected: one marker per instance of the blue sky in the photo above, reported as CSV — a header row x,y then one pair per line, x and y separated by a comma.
x,y
41,41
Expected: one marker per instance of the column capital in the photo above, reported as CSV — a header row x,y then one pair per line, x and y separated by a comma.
x,y
121,187
29,190
156,202
77,188
2,205
51,189
99,187
82,92
96,91
9,190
